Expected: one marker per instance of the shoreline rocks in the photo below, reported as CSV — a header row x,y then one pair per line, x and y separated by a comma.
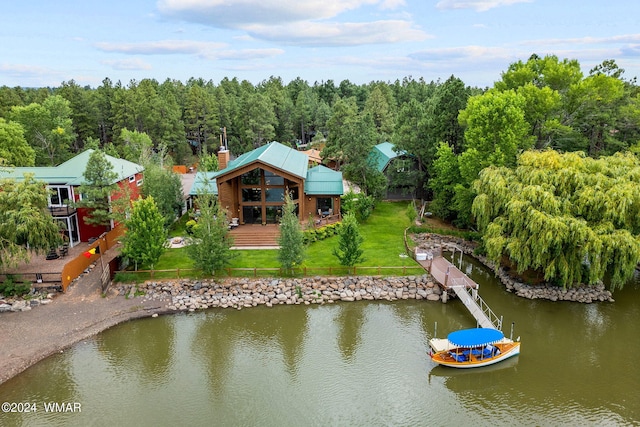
x,y
582,294
25,303
191,295
239,293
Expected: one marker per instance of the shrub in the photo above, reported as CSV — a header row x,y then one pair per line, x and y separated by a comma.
x,y
334,228
311,235
480,250
10,288
189,226
359,204
412,214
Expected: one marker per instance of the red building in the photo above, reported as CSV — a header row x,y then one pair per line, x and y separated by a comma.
x,y
63,182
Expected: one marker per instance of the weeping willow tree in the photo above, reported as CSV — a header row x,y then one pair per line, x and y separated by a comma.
x,y
572,217
25,222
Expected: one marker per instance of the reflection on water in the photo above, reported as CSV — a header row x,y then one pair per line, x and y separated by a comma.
x,y
362,363
145,349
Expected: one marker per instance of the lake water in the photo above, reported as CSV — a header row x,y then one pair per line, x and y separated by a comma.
x,y
353,364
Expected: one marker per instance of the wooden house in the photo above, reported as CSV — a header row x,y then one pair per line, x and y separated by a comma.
x,y
251,188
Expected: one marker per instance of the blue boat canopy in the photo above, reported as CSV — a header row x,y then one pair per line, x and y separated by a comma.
x,y
475,337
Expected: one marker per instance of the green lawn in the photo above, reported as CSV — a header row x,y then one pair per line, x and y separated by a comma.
x,y
383,240
383,246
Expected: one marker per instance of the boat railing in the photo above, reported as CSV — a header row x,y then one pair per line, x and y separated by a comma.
x,y
495,320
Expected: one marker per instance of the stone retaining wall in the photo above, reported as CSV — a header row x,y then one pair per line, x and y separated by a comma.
x,y
583,294
190,295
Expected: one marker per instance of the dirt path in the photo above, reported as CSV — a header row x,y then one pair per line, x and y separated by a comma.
x,y
30,336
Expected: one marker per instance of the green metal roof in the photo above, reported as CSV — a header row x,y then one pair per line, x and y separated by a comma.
x,y
273,154
200,183
382,154
50,175
71,172
321,180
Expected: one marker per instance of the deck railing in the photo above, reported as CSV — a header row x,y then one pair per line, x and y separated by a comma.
x,y
61,211
493,318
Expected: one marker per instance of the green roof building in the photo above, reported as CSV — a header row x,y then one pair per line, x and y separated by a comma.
x,y
252,187
63,182
400,169
383,153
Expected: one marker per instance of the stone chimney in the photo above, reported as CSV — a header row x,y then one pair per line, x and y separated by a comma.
x,y
223,158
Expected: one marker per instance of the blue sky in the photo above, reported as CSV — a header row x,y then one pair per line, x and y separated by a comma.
x,y
44,42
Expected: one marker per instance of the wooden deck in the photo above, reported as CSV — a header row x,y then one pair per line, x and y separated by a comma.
x,y
321,221
255,236
449,277
258,236
447,274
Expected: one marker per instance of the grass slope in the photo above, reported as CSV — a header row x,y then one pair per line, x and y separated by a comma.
x,y
383,246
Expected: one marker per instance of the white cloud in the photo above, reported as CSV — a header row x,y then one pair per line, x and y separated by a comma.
x,y
31,75
160,47
23,70
232,13
243,54
625,38
391,4
295,22
478,5
475,53
129,64
206,50
339,34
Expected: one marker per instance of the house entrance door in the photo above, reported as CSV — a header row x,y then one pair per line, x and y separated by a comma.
x,y
252,214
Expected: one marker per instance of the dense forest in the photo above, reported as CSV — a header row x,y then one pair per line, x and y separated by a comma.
x,y
456,133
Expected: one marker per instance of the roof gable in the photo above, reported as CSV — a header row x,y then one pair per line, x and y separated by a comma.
x,y
71,172
273,154
123,168
383,153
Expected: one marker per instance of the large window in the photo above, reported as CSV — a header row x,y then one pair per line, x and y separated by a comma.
x,y
325,205
251,194
251,177
251,214
262,196
274,214
271,178
275,195
59,196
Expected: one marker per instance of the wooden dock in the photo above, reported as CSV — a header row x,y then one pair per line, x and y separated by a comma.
x,y
449,277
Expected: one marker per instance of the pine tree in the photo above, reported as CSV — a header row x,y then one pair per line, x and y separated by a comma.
x,y
99,184
349,251
166,188
143,242
210,246
291,240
